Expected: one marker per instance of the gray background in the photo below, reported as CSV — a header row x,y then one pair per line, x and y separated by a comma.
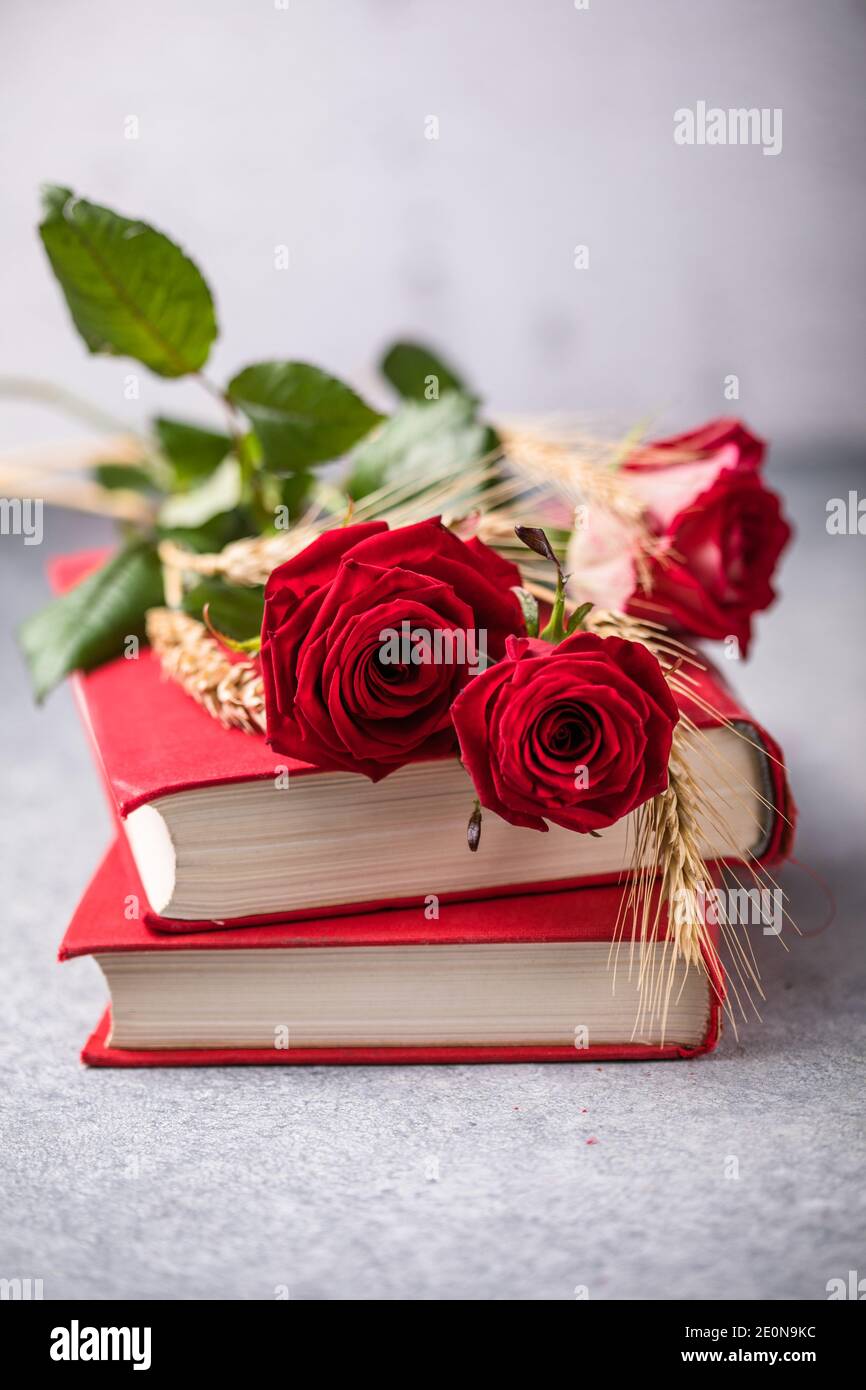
x,y
306,127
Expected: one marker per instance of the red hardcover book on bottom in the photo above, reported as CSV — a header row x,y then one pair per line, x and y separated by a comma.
x,y
530,978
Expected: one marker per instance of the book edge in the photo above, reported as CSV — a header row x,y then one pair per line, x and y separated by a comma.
x,y
96,1053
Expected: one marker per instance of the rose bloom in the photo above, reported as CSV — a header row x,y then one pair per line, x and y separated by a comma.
x,y
718,530
578,734
334,694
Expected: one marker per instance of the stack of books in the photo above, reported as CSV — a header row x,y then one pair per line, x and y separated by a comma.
x,y
257,911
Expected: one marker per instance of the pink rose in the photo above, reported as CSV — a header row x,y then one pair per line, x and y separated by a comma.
x,y
719,533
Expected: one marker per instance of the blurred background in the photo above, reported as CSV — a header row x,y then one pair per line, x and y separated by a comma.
x,y
240,126
304,125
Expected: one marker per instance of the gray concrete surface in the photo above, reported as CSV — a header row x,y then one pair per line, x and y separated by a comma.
x,y
233,1184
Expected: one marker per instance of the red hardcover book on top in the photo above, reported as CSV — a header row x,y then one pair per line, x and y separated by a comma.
x,y
521,978
224,831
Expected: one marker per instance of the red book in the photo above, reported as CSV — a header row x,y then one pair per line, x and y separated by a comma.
x,y
523,978
225,831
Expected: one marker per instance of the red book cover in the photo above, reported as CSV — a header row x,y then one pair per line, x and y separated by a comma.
x,y
151,739
99,926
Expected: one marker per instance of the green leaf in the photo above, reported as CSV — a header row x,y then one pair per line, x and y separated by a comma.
x,y
221,492
88,625
232,610
209,516
131,291
301,415
291,492
576,621
124,475
214,534
418,374
430,440
193,452
252,644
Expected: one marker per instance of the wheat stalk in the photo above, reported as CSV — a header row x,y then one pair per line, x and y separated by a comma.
x,y
670,881
669,888
230,691
533,479
582,469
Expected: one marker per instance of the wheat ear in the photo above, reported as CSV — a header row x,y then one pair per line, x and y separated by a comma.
x,y
230,691
667,896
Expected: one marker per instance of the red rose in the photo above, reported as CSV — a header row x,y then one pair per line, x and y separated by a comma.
x,y
578,734
369,634
719,531
722,533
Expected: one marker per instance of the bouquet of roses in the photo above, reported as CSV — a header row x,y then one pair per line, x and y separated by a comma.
x,y
565,726
449,587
